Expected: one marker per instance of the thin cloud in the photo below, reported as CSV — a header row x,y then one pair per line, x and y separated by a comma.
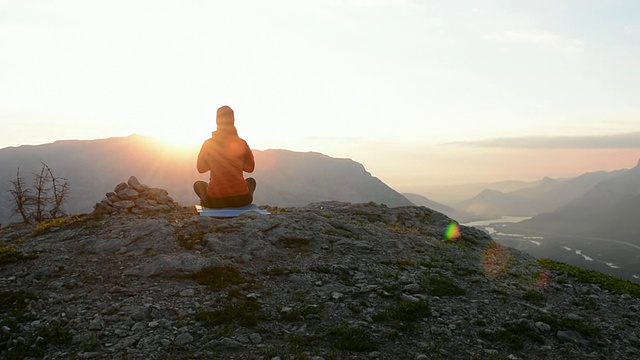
x,y
368,3
619,141
542,38
334,138
632,29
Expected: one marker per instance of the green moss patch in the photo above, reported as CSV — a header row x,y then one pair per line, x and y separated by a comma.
x,y
295,243
534,297
191,240
52,334
46,225
278,271
12,307
9,254
405,313
14,302
585,329
443,287
241,312
351,338
607,282
217,278
514,336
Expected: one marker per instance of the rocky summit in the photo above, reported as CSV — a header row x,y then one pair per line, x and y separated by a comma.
x,y
325,281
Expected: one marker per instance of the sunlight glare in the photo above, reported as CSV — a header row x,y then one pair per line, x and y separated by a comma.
x,y
543,280
181,138
495,260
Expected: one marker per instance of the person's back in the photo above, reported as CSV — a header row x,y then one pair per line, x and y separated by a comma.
x,y
226,157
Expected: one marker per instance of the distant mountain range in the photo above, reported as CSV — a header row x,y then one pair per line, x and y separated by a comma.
x,y
451,194
593,205
95,167
610,209
420,200
544,196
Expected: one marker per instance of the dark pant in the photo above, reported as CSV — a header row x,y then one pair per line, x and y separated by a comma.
x,y
200,187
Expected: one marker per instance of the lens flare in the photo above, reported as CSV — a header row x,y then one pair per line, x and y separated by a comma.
x,y
543,280
495,260
452,232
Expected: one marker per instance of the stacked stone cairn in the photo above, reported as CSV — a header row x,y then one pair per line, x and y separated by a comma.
x,y
133,197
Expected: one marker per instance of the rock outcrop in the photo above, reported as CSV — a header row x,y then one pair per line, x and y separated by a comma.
x,y
325,281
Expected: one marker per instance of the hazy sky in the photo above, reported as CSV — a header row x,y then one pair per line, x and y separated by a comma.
x,y
420,92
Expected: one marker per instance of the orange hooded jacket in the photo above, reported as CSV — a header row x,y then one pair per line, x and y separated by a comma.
x,y
226,156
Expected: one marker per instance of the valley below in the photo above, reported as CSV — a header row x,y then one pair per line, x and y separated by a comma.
x,y
609,256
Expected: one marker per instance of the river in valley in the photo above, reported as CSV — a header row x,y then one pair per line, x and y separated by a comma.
x,y
608,256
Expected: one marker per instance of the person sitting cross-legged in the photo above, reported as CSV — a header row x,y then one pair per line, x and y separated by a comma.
x,y
226,156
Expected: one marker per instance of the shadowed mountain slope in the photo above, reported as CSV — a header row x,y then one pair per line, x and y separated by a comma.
x,y
609,210
546,196
289,178
420,200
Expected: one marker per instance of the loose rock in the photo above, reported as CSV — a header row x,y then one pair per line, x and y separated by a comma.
x,y
131,196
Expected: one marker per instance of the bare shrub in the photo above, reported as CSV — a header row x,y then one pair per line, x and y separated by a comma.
x,y
44,201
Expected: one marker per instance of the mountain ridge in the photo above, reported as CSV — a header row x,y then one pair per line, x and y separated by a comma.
x,y
545,196
92,166
606,210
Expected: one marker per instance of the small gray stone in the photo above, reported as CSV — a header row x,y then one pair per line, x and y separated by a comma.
x,y
183,339
571,336
135,184
229,343
255,338
89,355
124,204
412,288
127,194
187,293
120,187
543,327
97,324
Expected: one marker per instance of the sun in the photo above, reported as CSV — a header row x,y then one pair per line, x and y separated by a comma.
x,y
182,139
179,138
